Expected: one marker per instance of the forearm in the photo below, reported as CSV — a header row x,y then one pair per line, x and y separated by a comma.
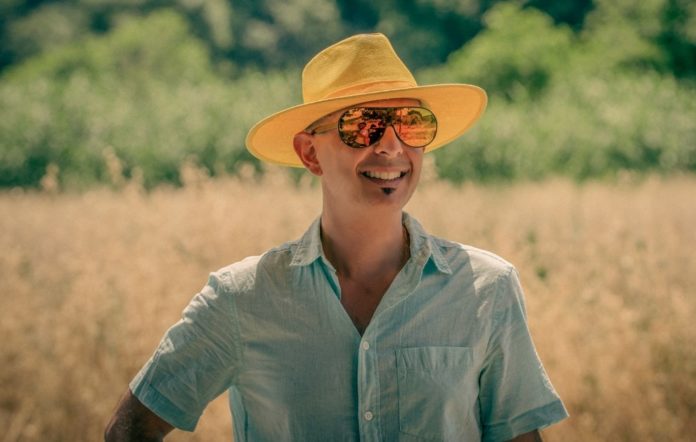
x,y
532,436
132,421
123,431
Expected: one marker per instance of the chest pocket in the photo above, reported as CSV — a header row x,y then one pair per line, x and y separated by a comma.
x,y
437,391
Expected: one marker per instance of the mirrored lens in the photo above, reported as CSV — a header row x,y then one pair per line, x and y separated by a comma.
x,y
362,127
415,126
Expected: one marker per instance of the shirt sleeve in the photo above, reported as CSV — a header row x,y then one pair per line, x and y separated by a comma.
x,y
516,395
196,360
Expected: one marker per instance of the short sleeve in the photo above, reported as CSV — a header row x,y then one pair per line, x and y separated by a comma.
x,y
516,395
196,360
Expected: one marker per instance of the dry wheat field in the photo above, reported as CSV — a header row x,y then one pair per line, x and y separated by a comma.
x,y
91,280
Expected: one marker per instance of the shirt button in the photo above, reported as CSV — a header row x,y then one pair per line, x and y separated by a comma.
x,y
368,415
365,345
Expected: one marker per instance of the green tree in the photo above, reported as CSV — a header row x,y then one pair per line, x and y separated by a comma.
x,y
518,53
586,106
677,37
146,91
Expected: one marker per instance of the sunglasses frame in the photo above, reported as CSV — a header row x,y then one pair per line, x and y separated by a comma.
x,y
323,128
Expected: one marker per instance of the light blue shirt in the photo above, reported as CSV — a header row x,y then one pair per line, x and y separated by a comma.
x,y
447,355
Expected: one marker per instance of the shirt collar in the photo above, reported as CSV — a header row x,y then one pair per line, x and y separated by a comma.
x,y
309,247
423,246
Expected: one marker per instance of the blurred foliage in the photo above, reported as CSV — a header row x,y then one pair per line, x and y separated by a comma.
x,y
583,127
505,59
581,88
146,92
579,105
267,33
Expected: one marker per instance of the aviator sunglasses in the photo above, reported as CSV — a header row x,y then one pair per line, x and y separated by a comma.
x,y
361,127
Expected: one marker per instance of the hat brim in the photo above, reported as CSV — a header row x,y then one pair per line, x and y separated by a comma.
x,y
456,106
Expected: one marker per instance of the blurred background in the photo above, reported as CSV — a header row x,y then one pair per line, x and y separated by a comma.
x,y
577,88
124,180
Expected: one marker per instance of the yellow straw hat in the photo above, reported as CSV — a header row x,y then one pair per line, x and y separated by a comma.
x,y
358,69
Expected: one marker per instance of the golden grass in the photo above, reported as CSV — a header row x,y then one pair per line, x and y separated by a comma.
x,y
91,281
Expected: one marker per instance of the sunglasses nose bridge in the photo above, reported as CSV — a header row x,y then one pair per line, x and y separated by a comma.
x,y
390,143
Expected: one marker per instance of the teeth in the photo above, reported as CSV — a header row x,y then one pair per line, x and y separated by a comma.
x,y
383,175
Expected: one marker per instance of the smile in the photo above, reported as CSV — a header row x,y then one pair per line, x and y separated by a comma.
x,y
385,176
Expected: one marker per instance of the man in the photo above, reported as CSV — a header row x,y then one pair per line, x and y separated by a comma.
x,y
367,328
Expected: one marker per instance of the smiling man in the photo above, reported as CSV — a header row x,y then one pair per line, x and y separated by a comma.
x,y
367,328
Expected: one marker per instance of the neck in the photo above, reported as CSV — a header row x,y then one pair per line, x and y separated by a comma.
x,y
365,246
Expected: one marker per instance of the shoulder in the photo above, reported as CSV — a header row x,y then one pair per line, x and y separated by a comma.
x,y
455,259
241,276
491,277
495,281
473,261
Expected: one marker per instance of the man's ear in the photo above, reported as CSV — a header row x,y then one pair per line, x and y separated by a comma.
x,y
307,152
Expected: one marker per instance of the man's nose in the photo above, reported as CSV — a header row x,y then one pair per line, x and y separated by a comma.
x,y
390,144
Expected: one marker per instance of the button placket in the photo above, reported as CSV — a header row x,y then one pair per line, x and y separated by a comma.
x,y
368,381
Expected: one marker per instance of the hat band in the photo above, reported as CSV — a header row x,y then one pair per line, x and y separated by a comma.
x,y
381,86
